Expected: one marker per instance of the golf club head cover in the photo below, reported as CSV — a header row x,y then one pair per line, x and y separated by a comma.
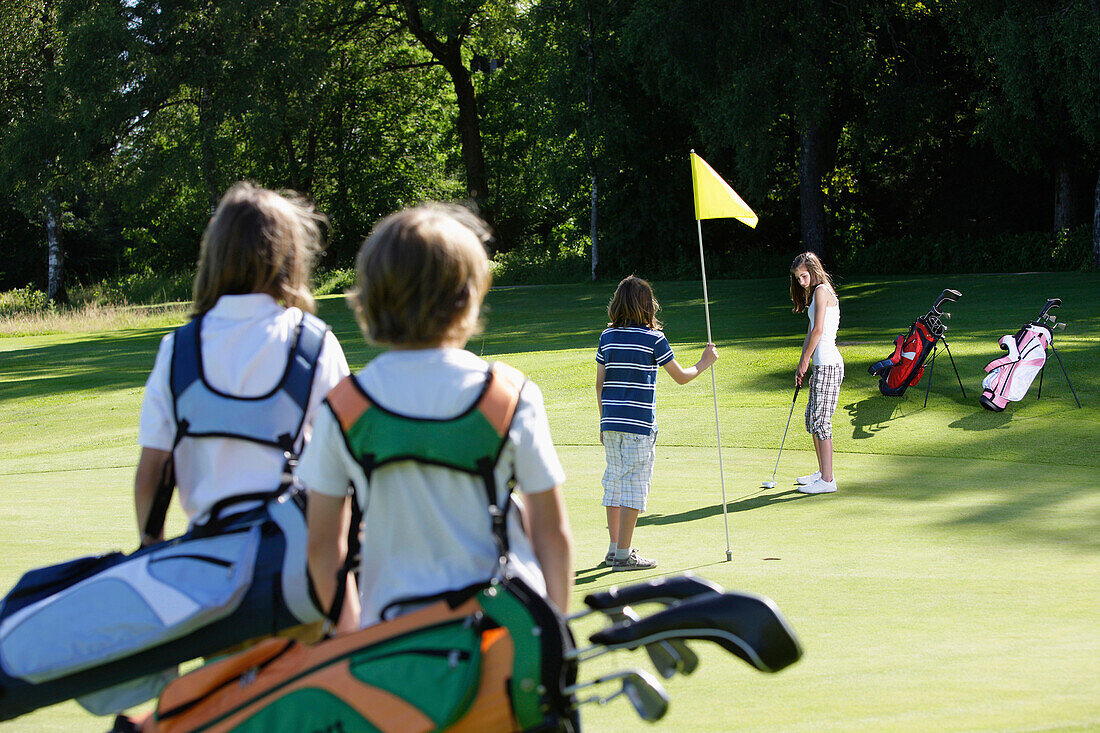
x,y
748,626
658,590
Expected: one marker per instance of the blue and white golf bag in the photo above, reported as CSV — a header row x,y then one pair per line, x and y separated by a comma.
x,y
117,625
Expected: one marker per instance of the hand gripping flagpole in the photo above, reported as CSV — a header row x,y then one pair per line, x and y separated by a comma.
x,y
714,393
714,199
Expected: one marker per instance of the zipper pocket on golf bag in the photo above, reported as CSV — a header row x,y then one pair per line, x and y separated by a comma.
x,y
432,672
136,604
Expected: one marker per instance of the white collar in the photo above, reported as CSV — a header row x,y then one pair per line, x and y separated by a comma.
x,y
241,307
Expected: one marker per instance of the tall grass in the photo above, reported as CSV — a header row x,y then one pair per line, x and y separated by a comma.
x,y
87,317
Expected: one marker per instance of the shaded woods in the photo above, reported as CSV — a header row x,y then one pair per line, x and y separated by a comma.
x,y
887,135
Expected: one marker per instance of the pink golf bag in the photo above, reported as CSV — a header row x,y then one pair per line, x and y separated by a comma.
x,y
1009,378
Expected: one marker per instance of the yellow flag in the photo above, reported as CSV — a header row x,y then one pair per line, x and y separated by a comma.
x,y
714,199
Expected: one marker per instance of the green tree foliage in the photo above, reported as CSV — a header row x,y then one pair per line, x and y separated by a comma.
x,y
845,125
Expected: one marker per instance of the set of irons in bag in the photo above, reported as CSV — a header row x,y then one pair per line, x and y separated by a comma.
x,y
1008,378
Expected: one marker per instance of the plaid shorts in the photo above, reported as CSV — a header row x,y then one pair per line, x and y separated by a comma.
x,y
824,394
629,468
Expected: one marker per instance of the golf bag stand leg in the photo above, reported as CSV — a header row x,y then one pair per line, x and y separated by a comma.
x,y
1039,394
954,367
931,370
1066,374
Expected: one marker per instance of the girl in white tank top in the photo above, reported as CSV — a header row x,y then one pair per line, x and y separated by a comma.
x,y
812,291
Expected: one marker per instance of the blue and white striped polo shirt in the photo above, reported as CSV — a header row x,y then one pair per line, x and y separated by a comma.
x,y
631,357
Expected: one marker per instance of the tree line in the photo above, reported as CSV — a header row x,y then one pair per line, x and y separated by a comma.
x,y
860,130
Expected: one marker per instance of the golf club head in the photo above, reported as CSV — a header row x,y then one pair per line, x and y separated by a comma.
x,y
748,626
947,296
658,590
1051,303
643,690
689,660
661,654
768,484
646,694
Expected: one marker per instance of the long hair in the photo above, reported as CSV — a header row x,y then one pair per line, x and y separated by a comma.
x,y
258,241
801,296
633,304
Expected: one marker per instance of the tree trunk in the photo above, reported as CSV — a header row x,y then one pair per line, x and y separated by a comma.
x,y
811,197
1065,203
449,54
1096,226
55,288
590,115
206,147
595,235
469,132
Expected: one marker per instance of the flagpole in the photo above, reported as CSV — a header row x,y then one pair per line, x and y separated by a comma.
x,y
714,393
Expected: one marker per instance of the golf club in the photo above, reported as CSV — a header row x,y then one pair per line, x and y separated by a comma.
x,y
668,656
771,484
645,693
748,626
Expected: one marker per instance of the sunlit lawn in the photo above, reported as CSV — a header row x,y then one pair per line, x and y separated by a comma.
x,y
952,583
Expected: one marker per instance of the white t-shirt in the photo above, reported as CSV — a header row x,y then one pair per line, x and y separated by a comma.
x,y
826,351
245,346
426,529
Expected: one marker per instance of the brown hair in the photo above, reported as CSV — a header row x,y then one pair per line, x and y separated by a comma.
x,y
421,277
258,241
633,303
801,296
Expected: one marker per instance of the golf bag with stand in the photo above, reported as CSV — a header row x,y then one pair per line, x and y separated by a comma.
x,y
110,630
905,366
1010,377
494,657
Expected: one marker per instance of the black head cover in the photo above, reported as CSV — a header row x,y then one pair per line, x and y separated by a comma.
x,y
748,626
658,590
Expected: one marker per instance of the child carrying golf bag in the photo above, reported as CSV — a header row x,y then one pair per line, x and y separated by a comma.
x,y
905,366
109,630
1010,377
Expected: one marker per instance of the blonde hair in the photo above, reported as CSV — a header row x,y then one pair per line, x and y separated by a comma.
x,y
633,303
258,241
801,296
421,277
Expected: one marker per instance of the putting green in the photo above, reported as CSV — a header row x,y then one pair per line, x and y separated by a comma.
x,y
951,583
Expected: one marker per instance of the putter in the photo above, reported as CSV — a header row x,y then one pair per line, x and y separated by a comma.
x,y
748,626
645,693
771,484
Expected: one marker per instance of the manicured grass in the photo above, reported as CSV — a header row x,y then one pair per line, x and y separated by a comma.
x,y
950,584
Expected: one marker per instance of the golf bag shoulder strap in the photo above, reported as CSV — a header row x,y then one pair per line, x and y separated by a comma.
x,y
274,419
470,442
376,436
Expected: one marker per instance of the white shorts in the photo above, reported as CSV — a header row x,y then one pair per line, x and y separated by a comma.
x,y
824,394
629,469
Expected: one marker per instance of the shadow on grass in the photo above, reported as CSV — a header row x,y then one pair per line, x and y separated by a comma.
x,y
744,504
983,420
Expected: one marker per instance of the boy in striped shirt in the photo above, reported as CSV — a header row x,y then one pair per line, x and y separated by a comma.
x,y
631,349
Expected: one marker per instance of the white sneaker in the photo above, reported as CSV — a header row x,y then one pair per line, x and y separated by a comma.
x,y
819,487
807,480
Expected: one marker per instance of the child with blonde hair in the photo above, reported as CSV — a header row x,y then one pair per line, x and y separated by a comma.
x,y
631,349
431,437
812,291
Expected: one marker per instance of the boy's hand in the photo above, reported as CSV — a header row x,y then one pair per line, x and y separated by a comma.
x,y
710,355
